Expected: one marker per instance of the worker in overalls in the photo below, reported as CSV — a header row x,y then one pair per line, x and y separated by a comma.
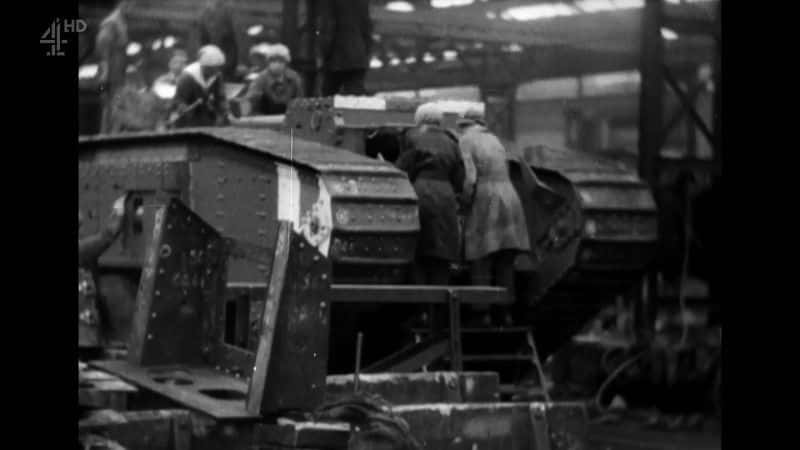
x,y
200,99
90,321
495,228
430,157
276,85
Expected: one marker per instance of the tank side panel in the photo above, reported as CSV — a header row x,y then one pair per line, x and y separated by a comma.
x,y
87,195
149,172
242,195
236,193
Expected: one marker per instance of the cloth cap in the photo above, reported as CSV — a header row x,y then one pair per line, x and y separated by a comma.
x,y
470,117
211,56
280,51
262,49
428,113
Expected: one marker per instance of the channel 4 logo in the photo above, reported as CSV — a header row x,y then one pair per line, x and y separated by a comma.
x,y
52,36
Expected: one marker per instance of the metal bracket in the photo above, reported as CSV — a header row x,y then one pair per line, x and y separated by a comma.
x,y
178,347
296,325
686,101
269,318
184,272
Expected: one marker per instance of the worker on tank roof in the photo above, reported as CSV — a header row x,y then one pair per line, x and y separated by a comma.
x,y
430,157
276,85
200,94
345,36
258,60
495,228
136,108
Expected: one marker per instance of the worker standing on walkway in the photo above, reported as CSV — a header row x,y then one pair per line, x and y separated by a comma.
x,y
495,229
345,45
431,159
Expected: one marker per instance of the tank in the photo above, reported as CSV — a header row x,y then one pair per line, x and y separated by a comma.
x,y
361,211
592,222
610,224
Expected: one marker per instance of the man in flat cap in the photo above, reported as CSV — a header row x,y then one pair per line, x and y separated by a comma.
x,y
276,85
200,98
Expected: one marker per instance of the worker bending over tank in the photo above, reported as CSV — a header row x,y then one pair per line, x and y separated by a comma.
x,y
495,230
431,159
200,98
276,85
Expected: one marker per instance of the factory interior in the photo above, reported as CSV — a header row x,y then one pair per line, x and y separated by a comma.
x,y
257,284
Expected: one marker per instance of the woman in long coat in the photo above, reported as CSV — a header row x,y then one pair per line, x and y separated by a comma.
x,y
431,158
495,229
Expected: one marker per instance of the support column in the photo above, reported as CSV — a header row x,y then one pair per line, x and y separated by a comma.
x,y
651,110
716,70
651,95
290,15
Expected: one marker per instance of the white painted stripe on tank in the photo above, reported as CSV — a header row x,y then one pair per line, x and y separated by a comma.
x,y
358,102
317,221
288,194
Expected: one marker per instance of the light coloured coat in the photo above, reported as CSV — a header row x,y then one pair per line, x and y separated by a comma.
x,y
495,219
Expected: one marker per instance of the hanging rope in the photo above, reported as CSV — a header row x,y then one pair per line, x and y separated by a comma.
x,y
613,375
